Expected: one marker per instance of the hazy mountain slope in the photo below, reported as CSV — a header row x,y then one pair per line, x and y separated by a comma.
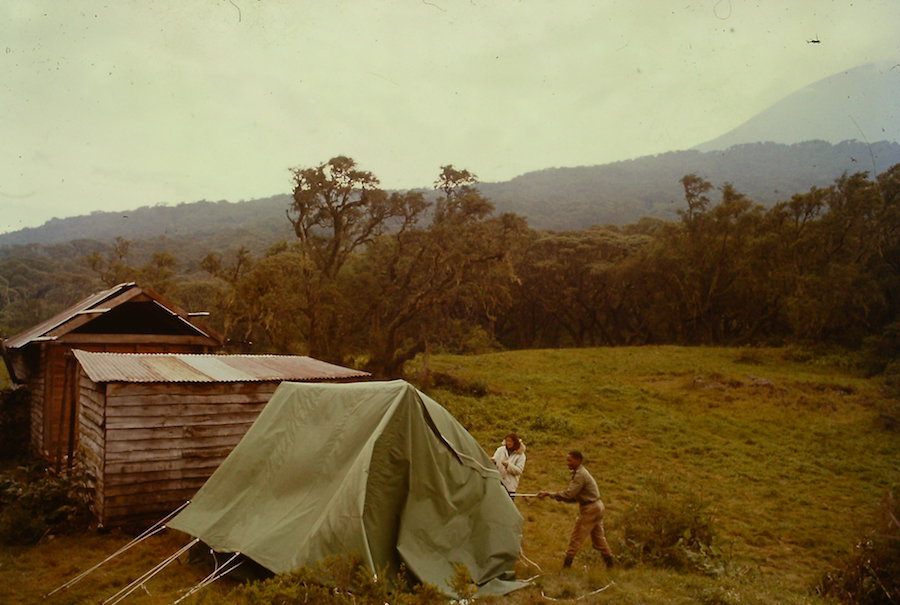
x,y
782,151
861,103
623,192
554,198
263,217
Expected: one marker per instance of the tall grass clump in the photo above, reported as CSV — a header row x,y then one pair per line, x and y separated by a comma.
x,y
871,574
665,527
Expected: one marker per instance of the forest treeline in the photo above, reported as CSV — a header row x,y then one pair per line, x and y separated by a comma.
x,y
370,278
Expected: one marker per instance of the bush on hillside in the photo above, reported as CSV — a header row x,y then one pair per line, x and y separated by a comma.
x,y
35,502
871,574
458,385
14,423
879,350
892,378
879,355
669,528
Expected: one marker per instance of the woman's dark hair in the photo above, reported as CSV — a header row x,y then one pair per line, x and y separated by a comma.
x,y
577,455
515,438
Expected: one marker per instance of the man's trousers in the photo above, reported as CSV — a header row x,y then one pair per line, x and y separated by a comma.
x,y
589,522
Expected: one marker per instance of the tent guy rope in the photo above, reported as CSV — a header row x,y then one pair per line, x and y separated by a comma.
x,y
150,531
219,572
139,582
587,594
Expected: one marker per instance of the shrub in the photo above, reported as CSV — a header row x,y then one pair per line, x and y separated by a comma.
x,y
35,502
871,574
750,357
879,350
458,385
552,424
892,378
462,584
671,529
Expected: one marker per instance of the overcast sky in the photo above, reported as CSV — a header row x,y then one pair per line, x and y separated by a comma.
x,y
120,104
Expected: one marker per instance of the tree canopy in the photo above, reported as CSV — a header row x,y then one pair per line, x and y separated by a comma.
x,y
371,278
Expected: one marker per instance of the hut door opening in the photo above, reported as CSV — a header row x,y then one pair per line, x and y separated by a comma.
x,y
67,429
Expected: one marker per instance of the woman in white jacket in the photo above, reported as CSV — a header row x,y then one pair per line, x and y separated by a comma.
x,y
510,461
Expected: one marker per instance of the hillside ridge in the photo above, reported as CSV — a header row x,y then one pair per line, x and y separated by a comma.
x,y
564,198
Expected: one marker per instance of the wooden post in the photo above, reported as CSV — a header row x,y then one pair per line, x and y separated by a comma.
x,y
72,394
61,419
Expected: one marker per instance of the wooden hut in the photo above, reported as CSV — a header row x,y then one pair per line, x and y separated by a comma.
x,y
124,318
153,427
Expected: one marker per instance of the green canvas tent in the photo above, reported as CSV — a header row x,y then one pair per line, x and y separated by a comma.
x,y
375,469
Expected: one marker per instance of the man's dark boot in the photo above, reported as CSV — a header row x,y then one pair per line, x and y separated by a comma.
x,y
610,562
567,562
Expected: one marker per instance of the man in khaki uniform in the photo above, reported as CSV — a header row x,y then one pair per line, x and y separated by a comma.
x,y
583,490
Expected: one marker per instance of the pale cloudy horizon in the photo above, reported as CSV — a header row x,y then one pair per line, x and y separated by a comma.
x,y
113,106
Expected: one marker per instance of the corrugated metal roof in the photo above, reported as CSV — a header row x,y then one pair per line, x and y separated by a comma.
x,y
38,331
172,367
94,305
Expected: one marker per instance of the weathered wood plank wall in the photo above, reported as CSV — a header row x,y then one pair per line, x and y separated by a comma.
x,y
162,441
38,396
49,419
92,436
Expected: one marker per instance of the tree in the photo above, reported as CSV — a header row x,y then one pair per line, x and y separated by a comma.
x,y
113,268
262,297
37,281
574,289
159,273
699,271
461,203
337,210
432,286
846,259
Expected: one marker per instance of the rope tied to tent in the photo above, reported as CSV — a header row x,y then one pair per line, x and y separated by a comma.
x,y
588,594
147,533
219,572
139,582
549,598
530,562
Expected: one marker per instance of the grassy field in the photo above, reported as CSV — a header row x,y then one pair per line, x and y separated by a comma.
x,y
791,456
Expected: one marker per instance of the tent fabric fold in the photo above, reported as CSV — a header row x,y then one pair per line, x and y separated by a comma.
x,y
375,469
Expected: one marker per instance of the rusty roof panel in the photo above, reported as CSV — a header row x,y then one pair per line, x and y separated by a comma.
x,y
131,366
172,367
218,368
163,368
303,368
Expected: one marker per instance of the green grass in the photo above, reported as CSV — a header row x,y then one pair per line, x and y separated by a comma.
x,y
789,455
